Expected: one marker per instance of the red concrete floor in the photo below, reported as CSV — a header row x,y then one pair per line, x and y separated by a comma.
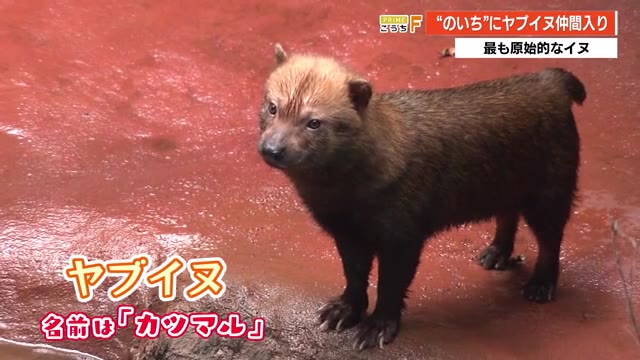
x,y
130,126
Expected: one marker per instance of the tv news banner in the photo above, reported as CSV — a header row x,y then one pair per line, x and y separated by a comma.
x,y
517,34
206,276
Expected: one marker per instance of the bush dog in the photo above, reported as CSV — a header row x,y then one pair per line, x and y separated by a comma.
x,y
383,172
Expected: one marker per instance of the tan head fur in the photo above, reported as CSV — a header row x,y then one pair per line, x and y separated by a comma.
x,y
313,107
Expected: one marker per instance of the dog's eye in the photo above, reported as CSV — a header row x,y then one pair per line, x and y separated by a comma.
x,y
273,109
313,124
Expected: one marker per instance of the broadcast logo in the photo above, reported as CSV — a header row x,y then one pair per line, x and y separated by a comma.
x,y
400,23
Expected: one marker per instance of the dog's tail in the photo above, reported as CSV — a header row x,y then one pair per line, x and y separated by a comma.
x,y
574,86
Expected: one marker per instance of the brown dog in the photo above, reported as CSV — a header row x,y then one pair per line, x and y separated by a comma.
x,y
383,172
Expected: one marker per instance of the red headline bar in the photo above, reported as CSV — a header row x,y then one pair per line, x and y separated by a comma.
x,y
522,23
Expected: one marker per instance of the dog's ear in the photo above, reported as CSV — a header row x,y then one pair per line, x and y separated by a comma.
x,y
281,55
360,92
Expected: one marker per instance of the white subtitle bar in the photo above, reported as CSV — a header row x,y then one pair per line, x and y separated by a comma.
x,y
536,48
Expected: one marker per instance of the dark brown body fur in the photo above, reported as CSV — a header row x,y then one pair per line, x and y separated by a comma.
x,y
420,162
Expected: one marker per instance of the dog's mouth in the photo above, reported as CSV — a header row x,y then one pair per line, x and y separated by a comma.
x,y
277,164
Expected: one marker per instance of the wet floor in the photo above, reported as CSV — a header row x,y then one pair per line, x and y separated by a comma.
x,y
129,127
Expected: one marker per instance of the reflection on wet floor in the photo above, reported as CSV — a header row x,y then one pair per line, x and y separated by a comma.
x,y
12,350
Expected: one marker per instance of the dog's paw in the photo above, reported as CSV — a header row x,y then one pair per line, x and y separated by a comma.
x,y
339,315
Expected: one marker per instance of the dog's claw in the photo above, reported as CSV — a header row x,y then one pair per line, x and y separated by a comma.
x,y
338,315
362,345
374,332
324,326
323,308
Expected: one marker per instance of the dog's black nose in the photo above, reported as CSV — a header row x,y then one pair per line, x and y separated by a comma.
x,y
273,151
